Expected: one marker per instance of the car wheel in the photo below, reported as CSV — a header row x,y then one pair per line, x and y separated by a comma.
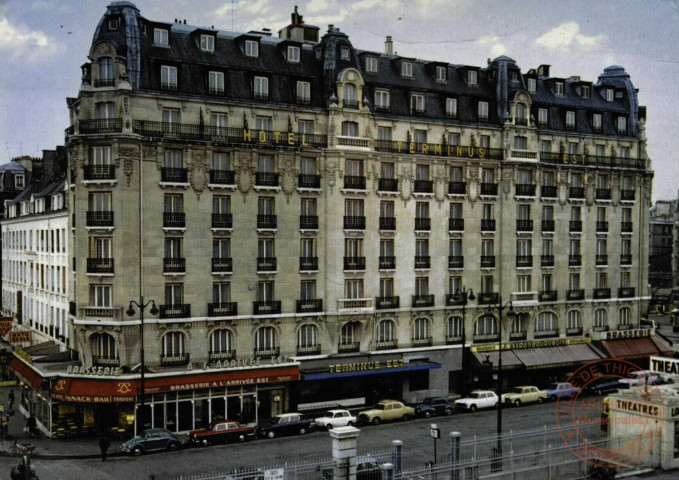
x,y
427,414
205,442
405,418
241,438
472,408
271,434
539,400
376,421
449,411
302,431
172,446
517,403
137,451
328,426
350,424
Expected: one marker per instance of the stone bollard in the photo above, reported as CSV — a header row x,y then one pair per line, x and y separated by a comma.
x,y
387,471
455,454
344,452
396,456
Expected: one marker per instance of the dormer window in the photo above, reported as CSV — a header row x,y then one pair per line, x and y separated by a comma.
x,y
105,72
371,64
451,107
382,100
622,125
293,54
19,182
609,94
407,69
261,88
596,122
441,74
543,117
303,93
532,85
586,91
570,120
473,77
417,103
344,53
558,89
349,100
207,43
216,83
168,78
483,111
521,118
514,76
160,36
113,24
251,49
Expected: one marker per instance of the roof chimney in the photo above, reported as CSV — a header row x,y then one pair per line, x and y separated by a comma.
x,y
543,71
389,46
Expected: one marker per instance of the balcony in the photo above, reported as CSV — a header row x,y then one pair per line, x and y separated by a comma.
x,y
626,292
100,265
548,191
627,195
222,177
577,294
626,227
267,222
222,265
308,222
350,104
310,305
104,82
272,352
488,298
422,342
521,121
354,182
174,175
601,227
547,225
354,263
266,179
308,181
386,344
261,96
106,361
349,347
266,307
455,261
547,296
386,303
308,264
266,264
574,331
625,259
456,224
387,223
174,220
525,190
100,172
453,339
546,260
216,91
168,86
485,337
115,313
489,189
423,261
303,100
546,333
603,193
524,261
309,350
222,309
601,260
524,225
382,109
354,222
423,224
99,219
457,188
577,193
174,360
175,311
454,300
422,301
222,356
387,185
575,226
174,265
387,263
600,328
574,260
424,186
222,220
361,304
487,224
600,293
101,125
487,261
518,335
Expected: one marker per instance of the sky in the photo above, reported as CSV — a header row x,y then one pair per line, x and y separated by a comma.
x,y
43,43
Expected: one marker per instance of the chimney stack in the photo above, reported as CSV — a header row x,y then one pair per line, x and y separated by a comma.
x,y
389,46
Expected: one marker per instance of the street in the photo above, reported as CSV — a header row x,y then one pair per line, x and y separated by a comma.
x,y
417,448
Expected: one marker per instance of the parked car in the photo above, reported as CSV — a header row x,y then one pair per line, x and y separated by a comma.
x,y
335,418
284,424
150,440
524,394
221,431
605,385
367,468
640,378
477,399
432,406
386,410
558,390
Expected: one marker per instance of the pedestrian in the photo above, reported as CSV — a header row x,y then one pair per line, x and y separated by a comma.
x,y
104,444
32,425
10,397
4,427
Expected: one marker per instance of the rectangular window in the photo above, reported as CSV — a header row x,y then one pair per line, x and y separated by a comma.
x,y
596,122
168,77
386,287
265,291
307,290
170,115
371,64
441,74
453,139
417,103
421,210
303,93
174,203
487,175
622,125
419,136
487,247
406,69
558,88
387,247
221,248
483,110
160,36
387,170
523,283
307,247
422,247
305,126
307,166
173,159
542,117
106,110
609,94
98,202
345,53
251,48
293,54
574,281
353,289
221,293
263,123
384,133
548,213
266,206
451,107
456,211
221,204
586,92
266,248
570,119
421,285
382,99
524,247
520,143
261,87
574,247
216,83
98,156
472,77
173,247
207,43
354,167
353,247
455,247
422,172
532,85
547,247
100,295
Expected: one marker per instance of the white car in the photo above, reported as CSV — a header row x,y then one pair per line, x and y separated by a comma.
x,y
335,418
477,399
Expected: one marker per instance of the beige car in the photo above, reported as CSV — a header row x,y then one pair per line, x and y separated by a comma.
x,y
386,410
525,394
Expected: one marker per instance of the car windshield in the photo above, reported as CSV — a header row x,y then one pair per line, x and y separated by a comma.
x,y
379,406
518,390
475,395
556,386
329,414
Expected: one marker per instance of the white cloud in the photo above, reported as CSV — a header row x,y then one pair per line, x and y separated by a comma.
x,y
19,42
567,36
496,48
248,7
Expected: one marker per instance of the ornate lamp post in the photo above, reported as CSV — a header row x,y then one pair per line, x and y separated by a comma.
x,y
464,295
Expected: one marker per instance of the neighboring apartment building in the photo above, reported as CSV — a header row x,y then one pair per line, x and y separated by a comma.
x,y
34,256
306,216
661,252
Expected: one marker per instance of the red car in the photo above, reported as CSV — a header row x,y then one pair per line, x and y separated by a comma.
x,y
221,431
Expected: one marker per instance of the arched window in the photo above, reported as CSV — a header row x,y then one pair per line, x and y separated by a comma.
x,y
104,351
486,325
625,316
385,332
421,329
519,324
454,328
574,321
173,349
350,96
350,129
105,72
266,342
307,341
600,318
221,345
546,323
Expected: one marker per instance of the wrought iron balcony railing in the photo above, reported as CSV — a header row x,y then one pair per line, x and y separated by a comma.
x,y
100,265
575,225
354,222
266,179
574,260
524,225
577,294
99,219
547,296
387,223
222,220
101,125
489,189
354,263
423,224
456,224
387,263
174,360
266,264
355,182
424,186
547,260
420,301
457,188
423,261
387,185
524,260
383,303
455,261
269,222
310,305
547,225
100,172
576,192
487,261
548,191
174,220
308,264
222,265
525,190
308,222
175,311
266,307
174,265
308,181
222,177
174,175
487,224
222,309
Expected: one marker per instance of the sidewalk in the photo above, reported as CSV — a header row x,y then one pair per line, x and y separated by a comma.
x,y
47,448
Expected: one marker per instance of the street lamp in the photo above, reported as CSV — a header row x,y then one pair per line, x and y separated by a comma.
x,y
464,296
130,312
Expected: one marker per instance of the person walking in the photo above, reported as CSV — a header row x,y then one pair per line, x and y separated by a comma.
x,y
104,445
32,425
10,398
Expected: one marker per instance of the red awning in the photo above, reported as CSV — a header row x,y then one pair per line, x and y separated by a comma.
x,y
561,355
630,348
94,391
509,359
25,373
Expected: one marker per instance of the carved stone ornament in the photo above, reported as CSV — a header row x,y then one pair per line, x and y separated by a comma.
x,y
128,151
74,159
562,192
648,188
507,181
198,178
331,169
473,189
288,181
615,190
590,193
405,185
128,168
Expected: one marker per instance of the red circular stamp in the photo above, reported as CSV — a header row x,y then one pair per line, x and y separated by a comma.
x,y
606,434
